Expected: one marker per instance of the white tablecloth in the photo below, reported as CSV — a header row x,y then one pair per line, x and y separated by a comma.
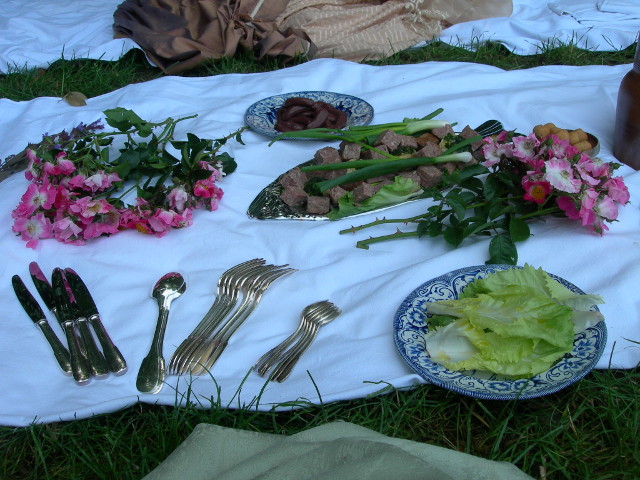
x,y
34,33
355,355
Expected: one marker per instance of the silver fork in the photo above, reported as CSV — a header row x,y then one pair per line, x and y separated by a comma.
x,y
210,350
309,326
267,360
227,294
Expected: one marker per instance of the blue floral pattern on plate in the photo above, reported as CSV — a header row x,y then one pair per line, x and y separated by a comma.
x,y
411,324
261,116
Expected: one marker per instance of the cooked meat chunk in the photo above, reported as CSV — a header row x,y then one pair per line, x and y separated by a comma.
x,y
412,175
469,132
429,175
389,138
364,191
425,138
370,154
318,205
295,197
429,150
293,178
327,155
335,194
442,132
349,151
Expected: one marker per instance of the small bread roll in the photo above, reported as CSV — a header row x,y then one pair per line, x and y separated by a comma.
x,y
541,131
583,146
562,134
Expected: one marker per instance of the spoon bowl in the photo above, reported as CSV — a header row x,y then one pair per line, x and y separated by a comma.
x,y
152,370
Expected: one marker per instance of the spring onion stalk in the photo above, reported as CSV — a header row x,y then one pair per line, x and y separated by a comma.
x,y
360,133
377,169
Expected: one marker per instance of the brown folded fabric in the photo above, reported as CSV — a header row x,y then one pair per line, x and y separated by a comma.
x,y
177,35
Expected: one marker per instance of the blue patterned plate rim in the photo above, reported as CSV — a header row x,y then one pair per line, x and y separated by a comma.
x,y
261,116
410,326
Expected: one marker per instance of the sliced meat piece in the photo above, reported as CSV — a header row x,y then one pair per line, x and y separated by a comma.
x,y
295,197
429,175
318,205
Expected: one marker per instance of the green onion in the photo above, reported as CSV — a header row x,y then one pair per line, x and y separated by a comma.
x,y
377,169
360,133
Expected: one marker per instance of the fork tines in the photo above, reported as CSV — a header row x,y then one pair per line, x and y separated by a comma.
x,y
247,281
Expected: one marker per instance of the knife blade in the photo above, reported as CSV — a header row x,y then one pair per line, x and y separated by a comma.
x,y
97,362
79,366
46,293
36,314
114,358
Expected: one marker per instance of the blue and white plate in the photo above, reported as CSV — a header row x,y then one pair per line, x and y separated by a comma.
x,y
411,324
261,116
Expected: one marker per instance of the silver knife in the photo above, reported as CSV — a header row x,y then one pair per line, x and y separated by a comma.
x,y
46,293
79,365
114,358
96,359
36,314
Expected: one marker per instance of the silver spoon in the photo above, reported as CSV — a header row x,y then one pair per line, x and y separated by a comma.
x,y
152,370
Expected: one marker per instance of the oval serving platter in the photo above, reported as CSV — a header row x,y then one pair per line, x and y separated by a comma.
x,y
268,206
411,324
261,116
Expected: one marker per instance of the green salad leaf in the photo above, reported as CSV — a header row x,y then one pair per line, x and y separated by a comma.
x,y
516,322
400,190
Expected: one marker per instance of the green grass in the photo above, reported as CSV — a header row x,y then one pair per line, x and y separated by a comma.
x,y
590,431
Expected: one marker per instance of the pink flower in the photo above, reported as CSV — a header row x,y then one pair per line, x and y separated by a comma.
x,y
494,151
561,148
88,207
66,230
617,190
568,206
587,202
606,208
178,198
32,229
559,174
36,196
524,148
107,224
536,191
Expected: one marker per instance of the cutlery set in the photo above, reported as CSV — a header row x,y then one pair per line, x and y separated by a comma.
x,y
71,304
239,291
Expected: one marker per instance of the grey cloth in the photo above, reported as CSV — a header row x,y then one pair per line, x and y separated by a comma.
x,y
333,451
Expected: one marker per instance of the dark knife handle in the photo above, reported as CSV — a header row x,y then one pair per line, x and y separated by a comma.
x,y
79,366
97,362
59,351
114,358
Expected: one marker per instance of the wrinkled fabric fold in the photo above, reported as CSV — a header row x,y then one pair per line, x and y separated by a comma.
x,y
178,35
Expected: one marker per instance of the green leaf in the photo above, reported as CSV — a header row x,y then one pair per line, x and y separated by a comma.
x,y
457,204
229,165
430,228
519,230
453,235
502,250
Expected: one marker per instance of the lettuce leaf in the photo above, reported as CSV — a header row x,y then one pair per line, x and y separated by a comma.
x,y
400,190
515,322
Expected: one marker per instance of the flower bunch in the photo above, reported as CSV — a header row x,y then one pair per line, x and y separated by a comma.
x,y
518,179
77,192
555,171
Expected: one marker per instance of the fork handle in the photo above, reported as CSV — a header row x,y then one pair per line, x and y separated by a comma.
x,y
284,368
